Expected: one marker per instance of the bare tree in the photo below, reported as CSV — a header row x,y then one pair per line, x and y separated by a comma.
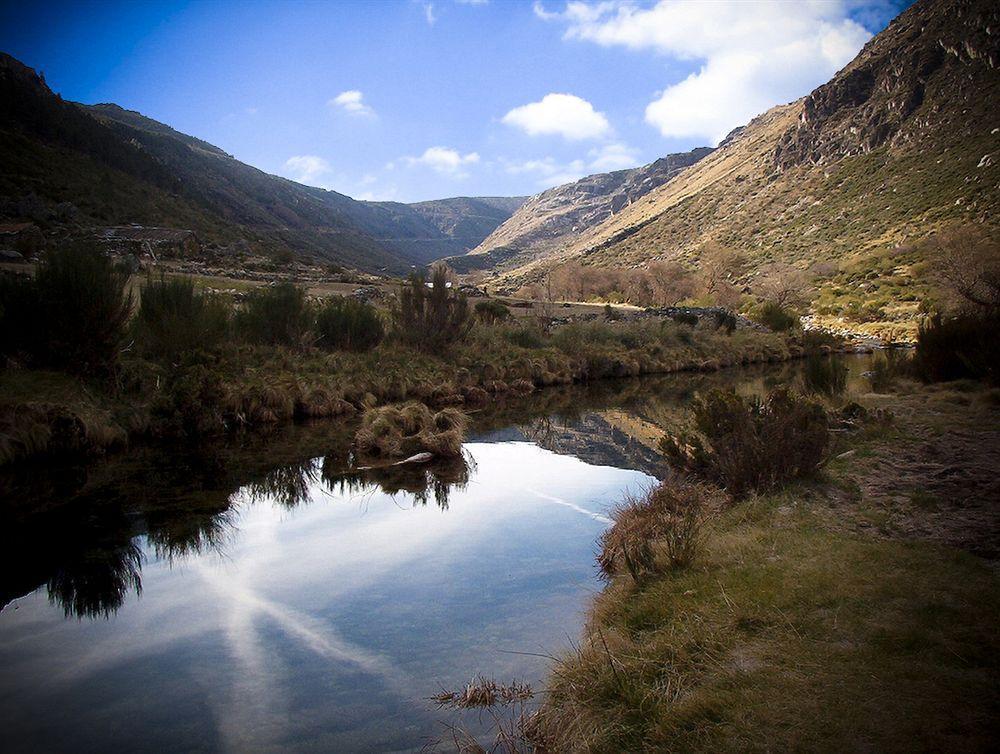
x,y
967,263
783,284
720,267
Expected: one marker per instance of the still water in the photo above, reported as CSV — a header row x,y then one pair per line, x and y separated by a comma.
x,y
260,596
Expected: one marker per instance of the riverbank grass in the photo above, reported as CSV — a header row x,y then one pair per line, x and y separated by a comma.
x,y
786,636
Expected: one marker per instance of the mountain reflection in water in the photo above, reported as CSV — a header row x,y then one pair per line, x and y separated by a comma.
x,y
262,593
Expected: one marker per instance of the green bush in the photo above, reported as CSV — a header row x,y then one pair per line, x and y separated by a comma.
x,y
431,317
749,445
957,348
492,312
348,324
174,318
525,336
773,317
73,315
277,315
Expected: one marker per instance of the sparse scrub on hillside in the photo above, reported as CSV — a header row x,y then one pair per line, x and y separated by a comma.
x,y
174,318
348,324
666,520
748,444
276,315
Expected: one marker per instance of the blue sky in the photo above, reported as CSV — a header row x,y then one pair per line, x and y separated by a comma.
x,y
412,99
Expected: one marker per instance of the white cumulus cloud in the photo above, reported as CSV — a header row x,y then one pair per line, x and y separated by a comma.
x,y
444,160
552,172
559,114
352,101
307,168
750,54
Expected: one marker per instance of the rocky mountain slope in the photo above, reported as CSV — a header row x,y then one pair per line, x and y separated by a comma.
x,y
74,166
554,218
902,142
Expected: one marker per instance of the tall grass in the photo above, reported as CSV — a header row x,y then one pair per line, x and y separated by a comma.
x,y
348,324
751,445
431,317
668,518
175,318
73,315
276,315
825,375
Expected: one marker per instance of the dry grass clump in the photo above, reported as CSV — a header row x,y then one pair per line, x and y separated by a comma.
x,y
481,693
511,725
402,431
669,518
36,429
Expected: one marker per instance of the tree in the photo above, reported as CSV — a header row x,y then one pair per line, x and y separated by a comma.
x,y
967,262
719,268
783,284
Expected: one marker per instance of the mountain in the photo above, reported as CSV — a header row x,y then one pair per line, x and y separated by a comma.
x,y
552,219
900,143
101,165
426,231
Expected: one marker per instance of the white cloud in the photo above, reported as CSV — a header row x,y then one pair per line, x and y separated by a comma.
x,y
753,55
551,172
615,156
444,160
352,101
564,114
472,2
429,13
307,168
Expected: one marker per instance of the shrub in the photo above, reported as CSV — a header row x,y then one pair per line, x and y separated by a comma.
x,y
773,317
491,312
174,318
825,375
686,318
18,314
277,315
611,314
725,320
957,348
348,324
671,516
887,367
73,315
431,318
402,431
525,336
749,445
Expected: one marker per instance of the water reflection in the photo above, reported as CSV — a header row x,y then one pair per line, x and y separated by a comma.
x,y
292,601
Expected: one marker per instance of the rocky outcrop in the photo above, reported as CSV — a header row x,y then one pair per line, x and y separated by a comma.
x,y
871,102
547,219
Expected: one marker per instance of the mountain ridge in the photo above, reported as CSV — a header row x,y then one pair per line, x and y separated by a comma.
x,y
117,166
900,143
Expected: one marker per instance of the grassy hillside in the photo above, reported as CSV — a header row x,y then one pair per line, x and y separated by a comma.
x,y
901,143
115,166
